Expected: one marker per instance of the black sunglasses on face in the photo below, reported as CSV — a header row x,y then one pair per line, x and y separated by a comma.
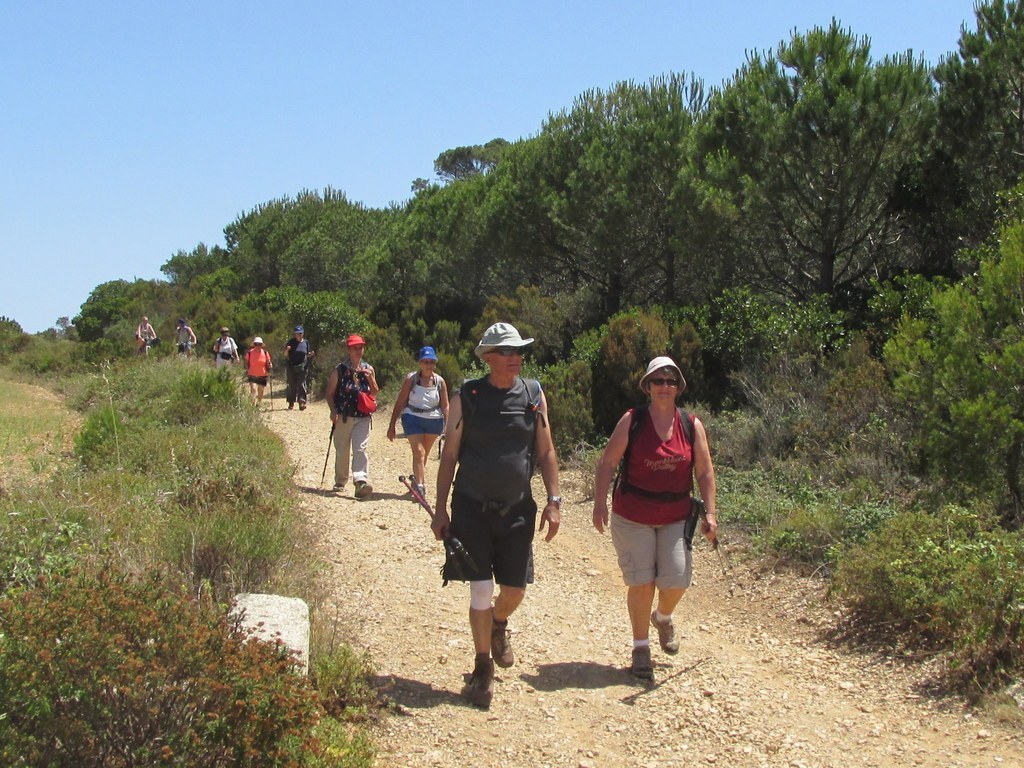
x,y
665,382
508,351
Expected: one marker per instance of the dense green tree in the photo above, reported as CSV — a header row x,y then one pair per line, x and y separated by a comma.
x,y
809,142
445,248
599,201
961,373
979,145
107,304
464,162
317,241
182,268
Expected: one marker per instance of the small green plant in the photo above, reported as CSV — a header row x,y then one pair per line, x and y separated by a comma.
x,y
343,677
101,670
567,389
944,580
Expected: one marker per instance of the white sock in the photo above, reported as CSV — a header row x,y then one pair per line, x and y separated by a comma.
x,y
662,618
641,643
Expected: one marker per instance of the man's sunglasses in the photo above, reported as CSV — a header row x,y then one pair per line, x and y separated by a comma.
x,y
665,382
508,351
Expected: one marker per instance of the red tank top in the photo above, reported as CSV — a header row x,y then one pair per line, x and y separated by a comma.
x,y
660,466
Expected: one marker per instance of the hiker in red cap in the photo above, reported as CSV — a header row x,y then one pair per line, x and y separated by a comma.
x,y
351,393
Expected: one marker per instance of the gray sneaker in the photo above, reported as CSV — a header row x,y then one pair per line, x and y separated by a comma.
x,y
642,666
480,687
363,489
666,634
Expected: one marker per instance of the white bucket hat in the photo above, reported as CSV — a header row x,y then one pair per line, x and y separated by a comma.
x,y
500,335
257,340
663,364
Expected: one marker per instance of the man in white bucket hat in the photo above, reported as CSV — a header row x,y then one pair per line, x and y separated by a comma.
x,y
497,432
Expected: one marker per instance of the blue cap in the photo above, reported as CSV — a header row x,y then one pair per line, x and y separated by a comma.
x,y
299,329
426,353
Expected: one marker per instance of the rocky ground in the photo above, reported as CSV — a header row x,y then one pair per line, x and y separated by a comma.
x,y
755,683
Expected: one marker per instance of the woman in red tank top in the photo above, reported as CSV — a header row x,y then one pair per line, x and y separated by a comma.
x,y
651,503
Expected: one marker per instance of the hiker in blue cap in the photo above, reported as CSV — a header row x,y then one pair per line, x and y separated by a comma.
x,y
422,404
297,354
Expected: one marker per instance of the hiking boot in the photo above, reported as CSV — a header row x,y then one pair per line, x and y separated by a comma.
x,y
480,687
291,406
501,644
666,634
642,666
363,489
302,406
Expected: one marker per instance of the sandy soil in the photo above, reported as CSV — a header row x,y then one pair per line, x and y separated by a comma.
x,y
755,683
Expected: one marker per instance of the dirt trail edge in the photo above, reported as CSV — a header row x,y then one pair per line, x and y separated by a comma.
x,y
753,684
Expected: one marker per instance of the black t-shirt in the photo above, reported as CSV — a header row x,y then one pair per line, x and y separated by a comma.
x,y
496,450
298,351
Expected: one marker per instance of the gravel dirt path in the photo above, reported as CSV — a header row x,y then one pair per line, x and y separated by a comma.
x,y
754,684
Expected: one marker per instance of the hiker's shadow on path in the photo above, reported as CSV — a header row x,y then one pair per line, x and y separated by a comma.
x,y
576,674
415,694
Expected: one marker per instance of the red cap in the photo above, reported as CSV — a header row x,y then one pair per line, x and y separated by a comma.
x,y
354,340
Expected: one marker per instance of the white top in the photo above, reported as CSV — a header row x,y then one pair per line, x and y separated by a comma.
x,y
424,402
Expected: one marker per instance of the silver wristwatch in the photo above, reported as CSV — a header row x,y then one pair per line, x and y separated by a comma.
x,y
556,500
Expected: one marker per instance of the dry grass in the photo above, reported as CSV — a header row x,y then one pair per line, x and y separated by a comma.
x,y
36,430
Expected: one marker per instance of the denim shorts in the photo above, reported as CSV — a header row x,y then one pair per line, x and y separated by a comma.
x,y
417,425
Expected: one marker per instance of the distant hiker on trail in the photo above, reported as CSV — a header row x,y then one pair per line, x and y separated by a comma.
x,y
297,354
497,432
225,349
651,505
257,368
144,337
422,404
186,339
351,386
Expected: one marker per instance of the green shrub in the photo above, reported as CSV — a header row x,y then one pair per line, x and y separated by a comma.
x,y
343,678
12,338
449,369
945,580
201,392
567,389
97,444
340,745
633,339
34,544
142,676
47,356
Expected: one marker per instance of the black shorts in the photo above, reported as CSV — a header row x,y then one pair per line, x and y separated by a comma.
x,y
261,380
501,545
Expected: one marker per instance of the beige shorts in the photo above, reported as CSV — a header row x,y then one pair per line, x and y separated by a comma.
x,y
649,553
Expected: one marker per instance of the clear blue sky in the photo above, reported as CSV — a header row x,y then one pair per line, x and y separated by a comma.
x,y
131,130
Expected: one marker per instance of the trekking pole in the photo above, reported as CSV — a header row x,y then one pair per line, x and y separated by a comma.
x,y
330,439
454,552
723,557
270,383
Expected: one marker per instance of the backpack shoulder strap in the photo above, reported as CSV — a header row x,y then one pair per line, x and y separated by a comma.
x,y
687,418
635,422
468,394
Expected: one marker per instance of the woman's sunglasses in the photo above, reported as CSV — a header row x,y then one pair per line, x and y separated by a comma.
x,y
665,382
